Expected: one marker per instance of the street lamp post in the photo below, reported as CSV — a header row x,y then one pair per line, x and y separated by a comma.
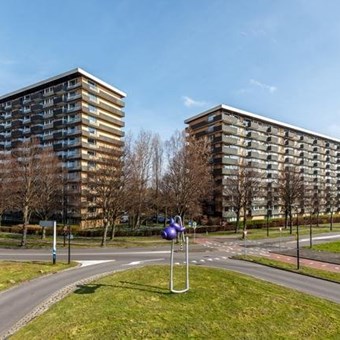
x,y
297,242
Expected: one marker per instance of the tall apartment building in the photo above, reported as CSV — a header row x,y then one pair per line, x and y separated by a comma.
x,y
76,113
239,137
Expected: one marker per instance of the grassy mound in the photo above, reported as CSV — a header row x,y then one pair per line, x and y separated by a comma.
x,y
137,304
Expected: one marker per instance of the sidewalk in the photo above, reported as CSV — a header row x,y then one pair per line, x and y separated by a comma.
x,y
331,267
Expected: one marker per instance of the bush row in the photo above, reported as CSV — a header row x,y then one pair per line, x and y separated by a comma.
x,y
125,230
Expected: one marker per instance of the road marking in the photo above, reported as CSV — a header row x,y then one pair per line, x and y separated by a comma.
x,y
320,238
91,263
135,263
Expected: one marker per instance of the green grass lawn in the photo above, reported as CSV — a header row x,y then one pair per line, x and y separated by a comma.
x,y
13,273
274,232
136,304
333,247
324,274
12,240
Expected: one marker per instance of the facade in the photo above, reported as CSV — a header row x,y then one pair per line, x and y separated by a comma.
x,y
77,114
240,137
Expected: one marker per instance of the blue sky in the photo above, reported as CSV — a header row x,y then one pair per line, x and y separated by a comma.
x,y
177,58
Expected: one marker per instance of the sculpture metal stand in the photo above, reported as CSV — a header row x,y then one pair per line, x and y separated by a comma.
x,y
174,230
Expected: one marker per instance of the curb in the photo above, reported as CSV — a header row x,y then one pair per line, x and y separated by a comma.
x,y
54,298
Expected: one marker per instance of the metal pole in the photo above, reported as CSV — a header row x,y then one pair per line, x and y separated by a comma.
x,y
280,238
54,249
69,245
267,223
245,242
297,247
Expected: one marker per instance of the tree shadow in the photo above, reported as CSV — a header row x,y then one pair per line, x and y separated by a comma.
x,y
88,288
91,288
144,288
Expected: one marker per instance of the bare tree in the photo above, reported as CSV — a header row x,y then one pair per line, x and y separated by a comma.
x,y
318,197
187,182
290,190
50,186
25,175
330,198
138,173
5,184
241,189
157,170
105,187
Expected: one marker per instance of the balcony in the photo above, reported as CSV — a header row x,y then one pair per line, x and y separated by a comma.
x,y
232,130
73,97
229,161
36,107
37,129
230,151
59,89
73,109
73,85
36,96
37,119
229,119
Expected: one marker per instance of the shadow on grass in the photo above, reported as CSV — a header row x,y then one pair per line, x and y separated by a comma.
x,y
91,288
87,289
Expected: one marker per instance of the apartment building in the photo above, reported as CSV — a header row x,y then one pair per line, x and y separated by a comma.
x,y
240,137
77,114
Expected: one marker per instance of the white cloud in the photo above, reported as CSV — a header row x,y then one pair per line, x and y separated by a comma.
x,y
333,130
189,102
263,86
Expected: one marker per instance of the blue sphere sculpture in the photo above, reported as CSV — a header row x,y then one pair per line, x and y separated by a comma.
x,y
169,233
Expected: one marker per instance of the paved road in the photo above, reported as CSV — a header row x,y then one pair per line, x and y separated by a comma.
x,y
16,303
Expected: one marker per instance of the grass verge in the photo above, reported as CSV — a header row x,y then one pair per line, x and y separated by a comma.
x,y
11,240
333,247
13,273
136,304
322,274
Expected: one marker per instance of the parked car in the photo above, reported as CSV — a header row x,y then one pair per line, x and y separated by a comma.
x,y
124,219
159,219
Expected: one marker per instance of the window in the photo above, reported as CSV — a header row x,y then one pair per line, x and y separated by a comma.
x,y
92,98
92,130
92,85
92,108
92,120
91,141
211,118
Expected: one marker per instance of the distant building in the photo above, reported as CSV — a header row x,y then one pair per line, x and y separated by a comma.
x,y
239,136
76,113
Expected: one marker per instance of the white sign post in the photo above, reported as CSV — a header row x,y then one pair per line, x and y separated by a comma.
x,y
54,247
194,225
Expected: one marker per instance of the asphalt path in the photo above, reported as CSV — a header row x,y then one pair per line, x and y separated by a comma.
x,y
19,302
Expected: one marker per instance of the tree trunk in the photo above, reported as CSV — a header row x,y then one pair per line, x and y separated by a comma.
x,y
43,233
290,222
244,220
113,231
286,218
24,229
106,226
237,222
331,224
